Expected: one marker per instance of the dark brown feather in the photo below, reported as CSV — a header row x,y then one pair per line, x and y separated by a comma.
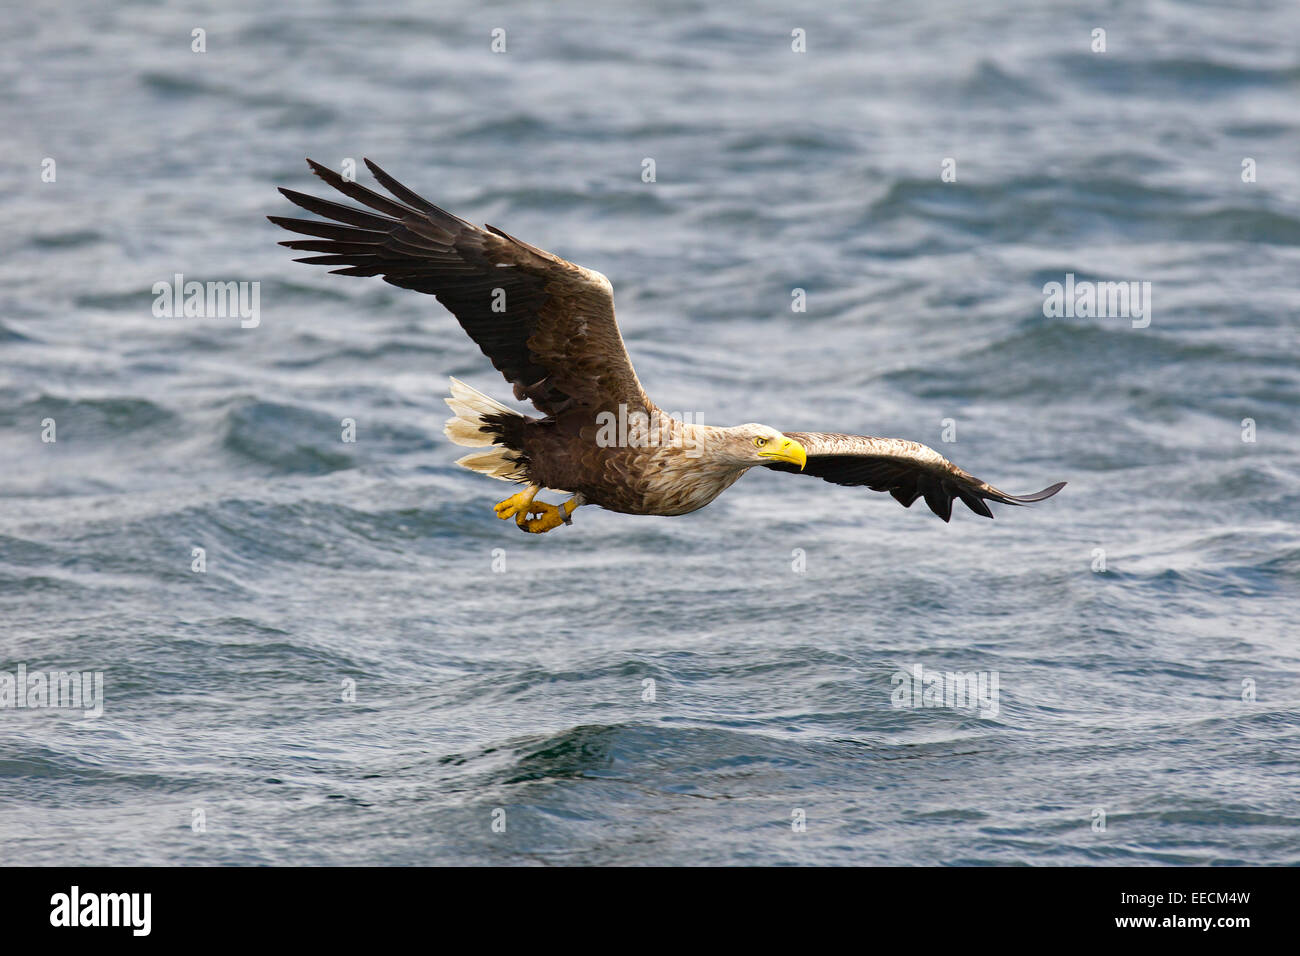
x,y
907,470
557,341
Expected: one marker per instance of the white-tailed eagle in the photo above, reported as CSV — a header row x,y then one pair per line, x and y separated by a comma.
x,y
548,326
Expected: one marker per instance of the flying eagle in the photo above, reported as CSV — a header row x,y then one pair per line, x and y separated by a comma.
x,y
548,326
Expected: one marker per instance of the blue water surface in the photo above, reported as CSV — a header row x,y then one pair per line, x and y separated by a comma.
x,y
636,690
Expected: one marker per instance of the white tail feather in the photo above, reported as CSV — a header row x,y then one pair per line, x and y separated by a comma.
x,y
496,464
470,406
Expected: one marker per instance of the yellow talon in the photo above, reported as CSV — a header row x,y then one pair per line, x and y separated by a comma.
x,y
548,516
522,506
516,506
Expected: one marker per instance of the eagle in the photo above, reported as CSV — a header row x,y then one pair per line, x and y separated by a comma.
x,y
548,326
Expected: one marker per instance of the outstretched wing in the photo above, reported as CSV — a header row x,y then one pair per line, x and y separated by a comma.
x,y
546,324
906,469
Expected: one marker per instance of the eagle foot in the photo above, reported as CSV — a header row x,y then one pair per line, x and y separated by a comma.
x,y
550,516
522,508
517,506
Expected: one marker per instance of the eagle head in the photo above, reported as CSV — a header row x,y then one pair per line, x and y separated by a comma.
x,y
755,444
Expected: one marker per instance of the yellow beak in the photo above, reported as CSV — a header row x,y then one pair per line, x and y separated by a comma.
x,y
788,450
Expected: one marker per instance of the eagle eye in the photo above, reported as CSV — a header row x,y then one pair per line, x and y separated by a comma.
x,y
760,442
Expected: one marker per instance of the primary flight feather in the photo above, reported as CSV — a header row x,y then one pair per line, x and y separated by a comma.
x,y
548,326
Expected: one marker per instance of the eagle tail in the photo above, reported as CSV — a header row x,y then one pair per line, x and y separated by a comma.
x,y
480,421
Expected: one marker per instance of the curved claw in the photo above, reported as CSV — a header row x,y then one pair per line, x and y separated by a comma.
x,y
516,506
522,507
549,517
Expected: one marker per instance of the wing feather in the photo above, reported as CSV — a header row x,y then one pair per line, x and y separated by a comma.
x,y
557,340
906,469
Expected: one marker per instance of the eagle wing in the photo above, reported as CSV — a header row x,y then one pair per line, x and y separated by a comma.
x,y
546,324
906,469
